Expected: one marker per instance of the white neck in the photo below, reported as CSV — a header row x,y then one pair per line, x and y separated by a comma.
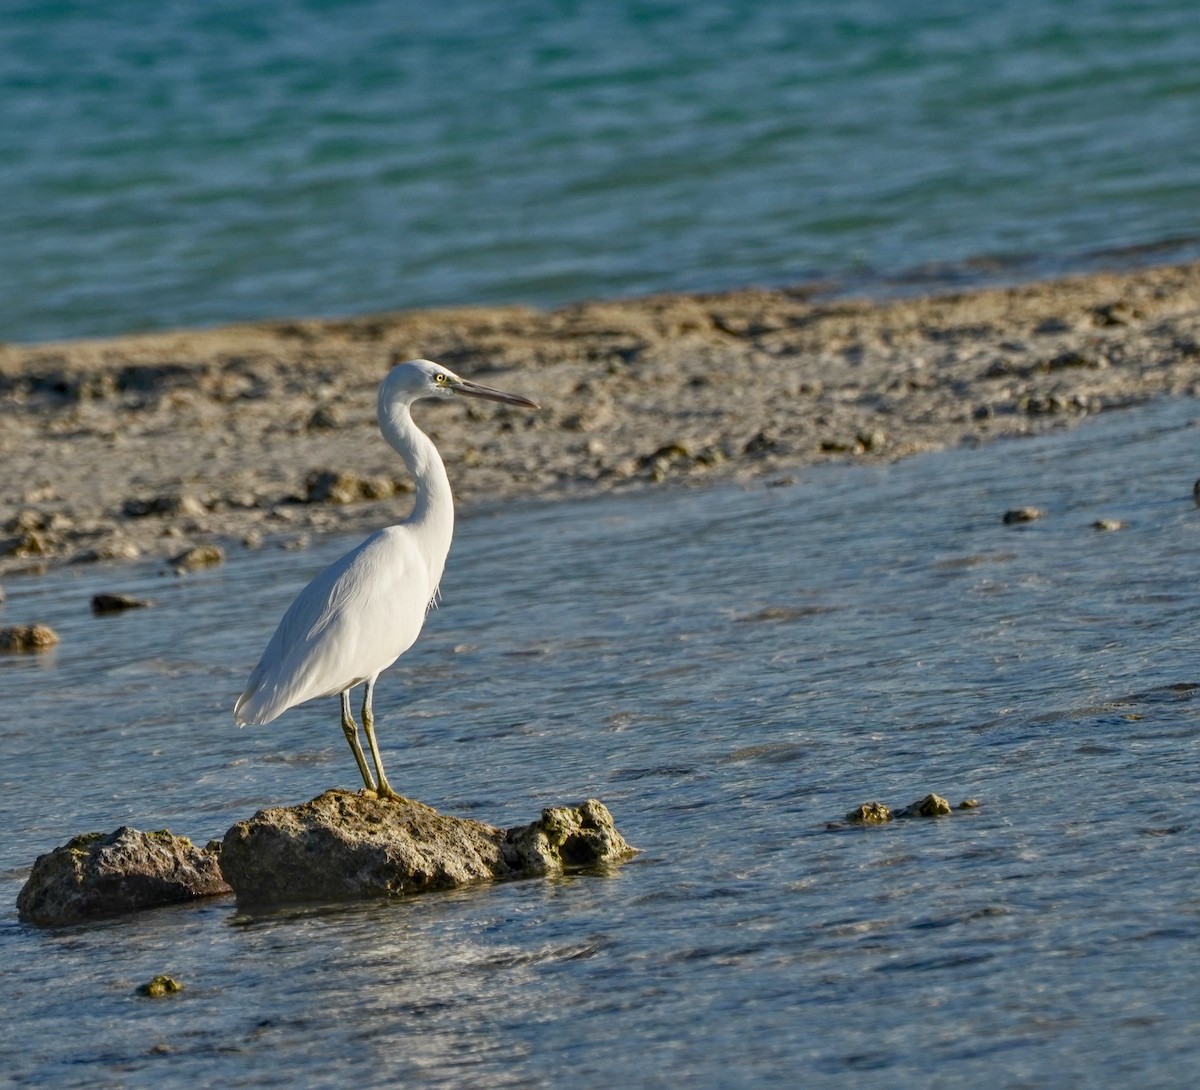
x,y
432,516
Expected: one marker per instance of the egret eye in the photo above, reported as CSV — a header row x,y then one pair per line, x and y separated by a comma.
x,y
441,379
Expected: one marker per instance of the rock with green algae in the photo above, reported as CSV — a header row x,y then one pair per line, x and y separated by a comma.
x,y
930,806
102,874
159,986
870,813
350,846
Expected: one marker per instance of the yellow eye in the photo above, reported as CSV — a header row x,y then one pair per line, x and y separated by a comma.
x,y
440,379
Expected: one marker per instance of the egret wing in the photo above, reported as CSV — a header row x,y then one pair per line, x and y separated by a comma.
x,y
350,623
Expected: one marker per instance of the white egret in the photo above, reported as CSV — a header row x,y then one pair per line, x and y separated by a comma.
x,y
366,609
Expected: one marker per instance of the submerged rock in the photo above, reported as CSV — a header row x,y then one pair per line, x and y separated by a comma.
x,y
117,603
348,846
870,813
100,874
1016,515
159,986
930,806
198,558
27,637
878,813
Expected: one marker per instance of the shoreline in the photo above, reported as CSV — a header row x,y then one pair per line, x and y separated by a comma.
x,y
138,447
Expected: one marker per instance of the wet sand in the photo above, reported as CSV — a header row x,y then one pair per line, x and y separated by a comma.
x,y
260,435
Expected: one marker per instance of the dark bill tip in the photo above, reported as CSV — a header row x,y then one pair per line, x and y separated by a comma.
x,y
476,389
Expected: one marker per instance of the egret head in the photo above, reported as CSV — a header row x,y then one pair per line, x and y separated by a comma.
x,y
421,378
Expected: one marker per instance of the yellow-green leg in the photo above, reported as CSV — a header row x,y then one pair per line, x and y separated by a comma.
x,y
350,730
383,788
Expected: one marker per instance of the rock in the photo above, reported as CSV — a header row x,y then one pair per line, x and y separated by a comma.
x,y
869,813
159,986
27,637
99,874
564,838
108,550
326,418
347,846
1108,524
1023,514
969,804
326,486
197,558
871,439
180,504
930,806
117,603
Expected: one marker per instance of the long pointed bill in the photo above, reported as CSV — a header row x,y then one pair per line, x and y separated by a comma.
x,y
475,389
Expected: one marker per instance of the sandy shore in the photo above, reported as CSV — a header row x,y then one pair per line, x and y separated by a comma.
x,y
261,434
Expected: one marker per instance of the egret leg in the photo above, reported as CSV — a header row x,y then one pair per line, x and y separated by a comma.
x,y
368,718
350,729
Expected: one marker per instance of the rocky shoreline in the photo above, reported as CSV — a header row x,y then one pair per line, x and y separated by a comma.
x,y
149,446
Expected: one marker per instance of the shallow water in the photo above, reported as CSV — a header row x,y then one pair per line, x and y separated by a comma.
x,y
184,164
730,671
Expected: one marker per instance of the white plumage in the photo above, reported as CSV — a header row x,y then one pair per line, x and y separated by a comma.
x,y
366,609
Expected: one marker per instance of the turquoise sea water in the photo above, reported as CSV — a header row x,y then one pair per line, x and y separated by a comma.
x,y
730,670
182,164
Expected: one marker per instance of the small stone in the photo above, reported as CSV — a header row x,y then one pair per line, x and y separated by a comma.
x,y
327,486
198,558
178,504
326,418
1117,313
762,443
159,986
969,804
869,813
116,603
1023,514
1108,524
21,638
930,806
109,550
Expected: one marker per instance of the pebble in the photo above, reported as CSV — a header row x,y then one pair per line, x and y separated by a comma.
x,y
1023,514
197,558
117,603
181,504
327,486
